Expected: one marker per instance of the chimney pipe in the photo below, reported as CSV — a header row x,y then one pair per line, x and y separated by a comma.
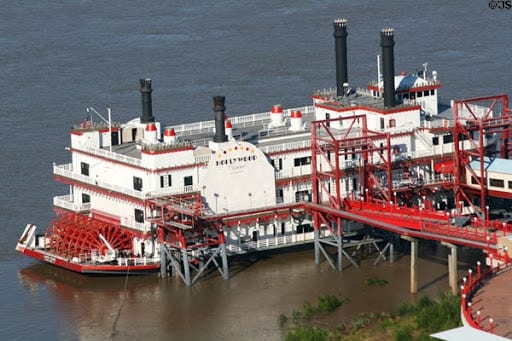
x,y
219,108
147,110
340,47
388,67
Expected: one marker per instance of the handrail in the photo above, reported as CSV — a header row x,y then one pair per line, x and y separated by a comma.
x,y
473,283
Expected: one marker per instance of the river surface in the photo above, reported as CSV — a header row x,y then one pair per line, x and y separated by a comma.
x,y
59,57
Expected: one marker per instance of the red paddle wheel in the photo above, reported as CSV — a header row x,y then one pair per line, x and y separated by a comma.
x,y
73,235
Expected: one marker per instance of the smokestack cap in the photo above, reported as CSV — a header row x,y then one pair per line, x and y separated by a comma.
x,y
340,26
386,35
218,101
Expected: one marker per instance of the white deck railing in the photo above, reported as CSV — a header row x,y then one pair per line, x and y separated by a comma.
x,y
270,242
66,201
66,171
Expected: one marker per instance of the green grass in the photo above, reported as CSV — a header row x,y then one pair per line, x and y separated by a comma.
x,y
407,322
373,281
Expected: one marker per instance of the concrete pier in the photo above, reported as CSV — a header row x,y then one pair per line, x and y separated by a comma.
x,y
414,263
452,266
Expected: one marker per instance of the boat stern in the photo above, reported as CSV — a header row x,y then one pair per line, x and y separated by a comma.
x,y
27,239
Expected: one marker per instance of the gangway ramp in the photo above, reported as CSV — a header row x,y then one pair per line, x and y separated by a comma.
x,y
424,224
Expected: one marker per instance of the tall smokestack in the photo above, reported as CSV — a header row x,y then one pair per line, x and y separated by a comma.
x,y
147,109
219,108
340,46
388,66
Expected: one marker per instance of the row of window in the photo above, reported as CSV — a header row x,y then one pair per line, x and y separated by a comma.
x,y
446,139
494,182
301,161
409,95
417,94
139,214
165,181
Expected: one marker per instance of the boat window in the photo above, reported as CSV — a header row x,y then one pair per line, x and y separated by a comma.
x,y
304,195
425,93
435,140
302,161
84,168
114,138
419,94
139,216
497,182
304,228
279,195
137,183
448,138
392,123
432,92
510,184
187,180
165,181
86,198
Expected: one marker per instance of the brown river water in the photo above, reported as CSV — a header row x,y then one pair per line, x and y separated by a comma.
x,y
245,307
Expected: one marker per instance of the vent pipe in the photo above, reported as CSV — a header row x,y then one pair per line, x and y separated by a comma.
x,y
340,46
388,67
219,108
147,110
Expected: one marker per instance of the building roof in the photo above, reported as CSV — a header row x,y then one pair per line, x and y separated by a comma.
x,y
496,165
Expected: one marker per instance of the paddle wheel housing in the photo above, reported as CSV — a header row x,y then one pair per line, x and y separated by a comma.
x,y
75,235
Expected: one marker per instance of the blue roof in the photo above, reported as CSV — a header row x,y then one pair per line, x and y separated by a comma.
x,y
495,165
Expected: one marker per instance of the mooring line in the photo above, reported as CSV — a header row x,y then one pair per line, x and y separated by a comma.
x,y
114,331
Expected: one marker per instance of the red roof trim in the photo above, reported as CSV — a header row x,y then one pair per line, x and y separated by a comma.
x,y
370,109
167,151
153,171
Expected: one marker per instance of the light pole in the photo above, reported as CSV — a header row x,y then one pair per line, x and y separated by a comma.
x,y
216,195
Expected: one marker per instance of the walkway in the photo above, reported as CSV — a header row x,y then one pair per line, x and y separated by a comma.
x,y
494,300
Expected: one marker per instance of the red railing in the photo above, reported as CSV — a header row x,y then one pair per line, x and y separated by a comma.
x,y
430,220
473,282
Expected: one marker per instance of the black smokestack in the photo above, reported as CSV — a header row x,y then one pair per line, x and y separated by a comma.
x,y
147,109
388,66
340,46
219,108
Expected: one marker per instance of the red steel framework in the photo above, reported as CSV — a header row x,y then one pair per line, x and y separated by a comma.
x,y
374,205
481,116
329,146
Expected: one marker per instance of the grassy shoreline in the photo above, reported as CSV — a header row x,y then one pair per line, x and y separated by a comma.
x,y
406,322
